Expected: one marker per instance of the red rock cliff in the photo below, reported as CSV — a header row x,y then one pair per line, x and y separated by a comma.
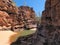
x,y
11,16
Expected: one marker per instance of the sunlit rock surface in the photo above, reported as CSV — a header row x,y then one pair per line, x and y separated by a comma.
x,y
8,12
11,15
4,18
27,17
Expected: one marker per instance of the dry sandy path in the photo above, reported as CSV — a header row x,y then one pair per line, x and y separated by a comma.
x,y
5,36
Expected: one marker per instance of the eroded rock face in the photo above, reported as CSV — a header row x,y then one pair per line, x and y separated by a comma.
x,y
8,13
50,23
4,18
22,18
8,6
26,17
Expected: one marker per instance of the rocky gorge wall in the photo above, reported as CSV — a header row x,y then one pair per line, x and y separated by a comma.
x,y
27,17
14,18
7,8
48,33
50,23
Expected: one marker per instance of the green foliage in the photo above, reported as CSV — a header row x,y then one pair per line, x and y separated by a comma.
x,y
25,32
13,38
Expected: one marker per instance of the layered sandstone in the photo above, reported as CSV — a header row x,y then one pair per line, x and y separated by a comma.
x,y
8,6
26,17
8,13
16,18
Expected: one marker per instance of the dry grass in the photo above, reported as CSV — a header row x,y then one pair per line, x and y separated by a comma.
x,y
20,33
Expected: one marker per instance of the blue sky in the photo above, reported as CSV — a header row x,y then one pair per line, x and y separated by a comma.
x,y
38,5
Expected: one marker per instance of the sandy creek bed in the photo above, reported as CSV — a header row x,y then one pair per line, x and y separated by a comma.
x,y
5,37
